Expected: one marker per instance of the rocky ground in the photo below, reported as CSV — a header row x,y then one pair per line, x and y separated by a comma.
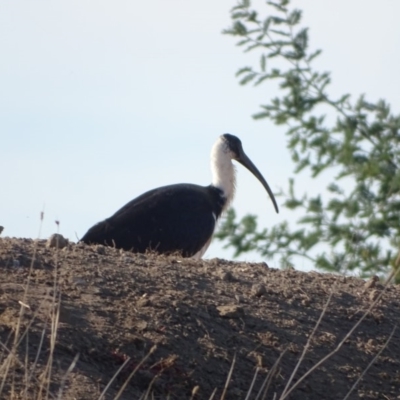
x,y
113,307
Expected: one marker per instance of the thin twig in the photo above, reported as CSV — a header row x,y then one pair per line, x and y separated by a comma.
x,y
269,376
228,378
37,355
151,385
64,379
152,350
252,384
213,394
112,379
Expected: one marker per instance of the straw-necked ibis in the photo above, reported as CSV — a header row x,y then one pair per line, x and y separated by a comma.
x,y
178,218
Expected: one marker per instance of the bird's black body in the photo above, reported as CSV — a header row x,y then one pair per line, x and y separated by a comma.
x,y
175,218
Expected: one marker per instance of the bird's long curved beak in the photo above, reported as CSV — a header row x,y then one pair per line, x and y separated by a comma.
x,y
246,162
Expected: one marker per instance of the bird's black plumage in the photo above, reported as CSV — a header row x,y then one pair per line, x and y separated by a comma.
x,y
175,218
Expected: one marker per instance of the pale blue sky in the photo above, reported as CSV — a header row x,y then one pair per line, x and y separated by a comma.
x,y
103,100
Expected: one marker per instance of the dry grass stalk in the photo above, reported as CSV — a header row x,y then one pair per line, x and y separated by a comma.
x,y
113,378
213,394
152,350
64,379
268,379
228,379
252,384
55,316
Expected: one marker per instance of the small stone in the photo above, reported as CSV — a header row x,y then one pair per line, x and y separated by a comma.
x,y
226,277
371,283
95,290
100,249
143,302
78,281
305,302
258,290
16,264
195,390
239,298
141,326
230,311
373,295
57,240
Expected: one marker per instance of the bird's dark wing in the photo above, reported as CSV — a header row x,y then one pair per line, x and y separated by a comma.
x,y
176,218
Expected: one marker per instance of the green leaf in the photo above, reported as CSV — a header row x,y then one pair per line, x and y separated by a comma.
x,y
248,78
294,17
261,79
239,28
243,70
263,62
280,32
280,7
265,25
240,14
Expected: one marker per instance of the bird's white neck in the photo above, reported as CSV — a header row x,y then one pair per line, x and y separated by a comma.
x,y
223,171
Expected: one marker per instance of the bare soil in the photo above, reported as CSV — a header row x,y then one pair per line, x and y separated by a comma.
x,y
200,315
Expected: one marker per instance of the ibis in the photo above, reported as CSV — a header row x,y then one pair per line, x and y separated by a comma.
x,y
178,218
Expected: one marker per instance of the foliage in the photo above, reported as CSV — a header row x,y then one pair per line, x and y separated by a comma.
x,y
360,227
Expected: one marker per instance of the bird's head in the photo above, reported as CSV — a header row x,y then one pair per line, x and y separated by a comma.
x,y
232,146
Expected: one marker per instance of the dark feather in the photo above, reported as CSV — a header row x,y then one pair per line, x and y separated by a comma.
x,y
169,219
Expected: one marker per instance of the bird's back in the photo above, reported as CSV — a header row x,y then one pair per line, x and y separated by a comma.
x,y
175,218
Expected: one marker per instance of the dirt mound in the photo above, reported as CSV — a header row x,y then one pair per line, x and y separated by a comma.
x,y
115,306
